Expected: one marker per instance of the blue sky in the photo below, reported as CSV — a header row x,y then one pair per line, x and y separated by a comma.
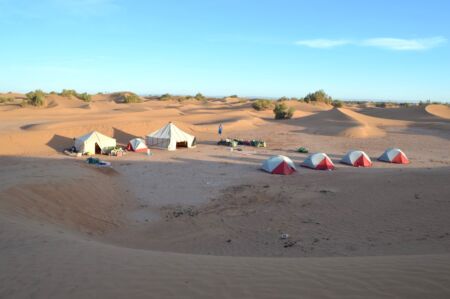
x,y
390,50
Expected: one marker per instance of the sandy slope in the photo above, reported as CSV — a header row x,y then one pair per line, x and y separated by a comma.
x,y
439,110
68,230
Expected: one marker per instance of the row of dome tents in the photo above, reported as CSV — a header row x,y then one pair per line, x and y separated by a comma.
x,y
321,161
169,137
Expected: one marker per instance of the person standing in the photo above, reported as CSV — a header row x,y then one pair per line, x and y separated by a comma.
x,y
220,129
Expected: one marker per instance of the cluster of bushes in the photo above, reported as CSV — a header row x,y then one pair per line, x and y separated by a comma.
x,y
318,96
282,111
131,98
262,104
35,98
68,93
168,97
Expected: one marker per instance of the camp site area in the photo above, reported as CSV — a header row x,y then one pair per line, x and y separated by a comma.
x,y
139,198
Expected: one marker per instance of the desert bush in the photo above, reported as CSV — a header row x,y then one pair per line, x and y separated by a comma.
x,y
131,98
84,97
318,96
282,111
68,93
6,99
337,104
35,98
380,104
165,97
200,97
262,104
234,96
283,99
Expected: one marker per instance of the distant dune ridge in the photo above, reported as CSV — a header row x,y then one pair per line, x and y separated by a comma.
x,y
207,222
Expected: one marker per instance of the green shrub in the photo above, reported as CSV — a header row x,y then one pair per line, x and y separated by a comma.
x,y
84,97
282,111
381,104
35,98
6,99
68,93
200,97
283,99
318,96
262,105
165,97
234,96
337,104
131,98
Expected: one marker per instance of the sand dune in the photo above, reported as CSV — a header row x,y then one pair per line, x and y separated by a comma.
x,y
206,222
439,110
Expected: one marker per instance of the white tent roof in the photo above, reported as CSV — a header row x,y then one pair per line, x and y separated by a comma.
x,y
86,143
168,137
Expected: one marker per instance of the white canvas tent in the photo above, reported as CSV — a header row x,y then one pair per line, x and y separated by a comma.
x,y
94,143
170,137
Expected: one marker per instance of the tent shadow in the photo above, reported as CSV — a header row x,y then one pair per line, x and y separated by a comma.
x,y
59,143
122,137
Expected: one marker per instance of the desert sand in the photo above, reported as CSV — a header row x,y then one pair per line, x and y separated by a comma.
x,y
206,222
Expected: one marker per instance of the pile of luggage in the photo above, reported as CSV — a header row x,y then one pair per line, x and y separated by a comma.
x,y
235,142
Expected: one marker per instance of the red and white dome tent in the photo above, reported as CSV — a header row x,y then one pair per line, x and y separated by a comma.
x,y
318,161
357,159
137,145
394,155
279,165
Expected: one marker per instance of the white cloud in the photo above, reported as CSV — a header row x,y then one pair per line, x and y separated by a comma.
x,y
397,44
322,43
400,44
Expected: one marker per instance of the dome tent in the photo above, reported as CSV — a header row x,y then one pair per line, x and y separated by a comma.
x,y
318,161
357,159
279,165
170,137
137,145
394,155
94,143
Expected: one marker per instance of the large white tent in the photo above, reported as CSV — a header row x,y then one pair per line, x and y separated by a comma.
x,y
94,143
170,137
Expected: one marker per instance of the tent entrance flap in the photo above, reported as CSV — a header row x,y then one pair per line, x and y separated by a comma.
x,y
98,150
182,144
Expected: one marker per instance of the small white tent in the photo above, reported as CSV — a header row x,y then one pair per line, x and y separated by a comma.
x,y
94,143
137,145
170,137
